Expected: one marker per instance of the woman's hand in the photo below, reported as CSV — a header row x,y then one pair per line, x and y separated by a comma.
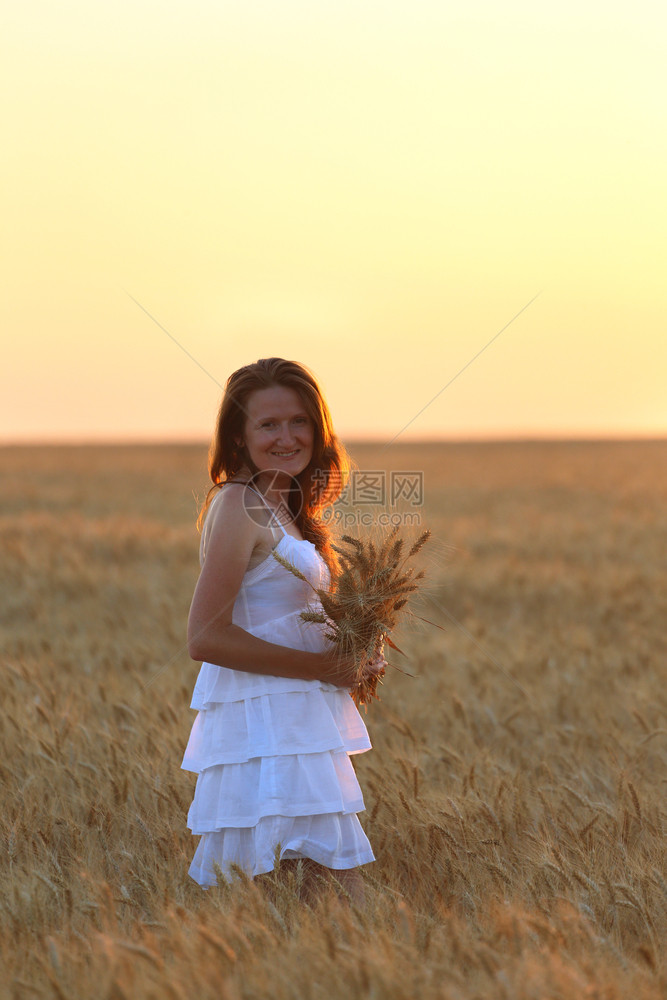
x,y
374,668
343,669
337,668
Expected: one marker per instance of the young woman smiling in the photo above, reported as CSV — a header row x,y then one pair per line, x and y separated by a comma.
x,y
275,726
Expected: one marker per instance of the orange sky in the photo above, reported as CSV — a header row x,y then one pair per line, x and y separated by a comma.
x,y
374,189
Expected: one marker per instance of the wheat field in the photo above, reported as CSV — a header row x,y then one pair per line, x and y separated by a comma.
x,y
516,790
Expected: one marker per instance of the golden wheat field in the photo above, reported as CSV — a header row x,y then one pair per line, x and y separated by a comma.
x,y
516,790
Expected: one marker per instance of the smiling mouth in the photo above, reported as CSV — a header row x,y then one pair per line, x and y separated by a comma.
x,y
285,454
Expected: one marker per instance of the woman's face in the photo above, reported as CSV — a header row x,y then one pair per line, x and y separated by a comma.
x,y
279,433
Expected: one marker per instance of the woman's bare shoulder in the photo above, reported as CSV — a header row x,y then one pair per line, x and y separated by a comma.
x,y
230,505
228,520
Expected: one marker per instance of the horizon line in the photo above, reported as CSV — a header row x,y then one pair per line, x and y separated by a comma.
x,y
202,442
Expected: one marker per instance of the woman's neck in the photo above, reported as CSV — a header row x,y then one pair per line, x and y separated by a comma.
x,y
273,487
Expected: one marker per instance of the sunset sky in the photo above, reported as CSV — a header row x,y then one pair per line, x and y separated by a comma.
x,y
373,188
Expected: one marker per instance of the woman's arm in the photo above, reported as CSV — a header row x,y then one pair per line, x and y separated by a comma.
x,y
212,636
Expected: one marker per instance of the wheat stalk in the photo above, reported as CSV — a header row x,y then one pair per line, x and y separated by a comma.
x,y
367,599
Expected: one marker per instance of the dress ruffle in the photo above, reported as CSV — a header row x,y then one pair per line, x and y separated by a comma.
x,y
336,841
239,795
272,723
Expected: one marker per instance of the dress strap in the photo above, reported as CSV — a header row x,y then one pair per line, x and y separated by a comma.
x,y
270,509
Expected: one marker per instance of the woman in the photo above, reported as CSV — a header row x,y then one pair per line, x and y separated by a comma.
x,y
275,725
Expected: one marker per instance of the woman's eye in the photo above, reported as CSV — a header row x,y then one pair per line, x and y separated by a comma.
x,y
297,420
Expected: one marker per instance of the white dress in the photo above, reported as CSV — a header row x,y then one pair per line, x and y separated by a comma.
x,y
272,754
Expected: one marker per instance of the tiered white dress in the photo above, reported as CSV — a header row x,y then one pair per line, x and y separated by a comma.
x,y
272,754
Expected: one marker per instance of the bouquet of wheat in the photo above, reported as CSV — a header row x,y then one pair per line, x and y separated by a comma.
x,y
366,601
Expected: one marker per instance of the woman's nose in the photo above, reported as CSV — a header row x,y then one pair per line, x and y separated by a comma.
x,y
286,435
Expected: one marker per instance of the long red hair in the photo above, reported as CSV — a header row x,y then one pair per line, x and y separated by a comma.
x,y
324,478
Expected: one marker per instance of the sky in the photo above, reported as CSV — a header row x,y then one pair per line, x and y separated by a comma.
x,y
454,213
